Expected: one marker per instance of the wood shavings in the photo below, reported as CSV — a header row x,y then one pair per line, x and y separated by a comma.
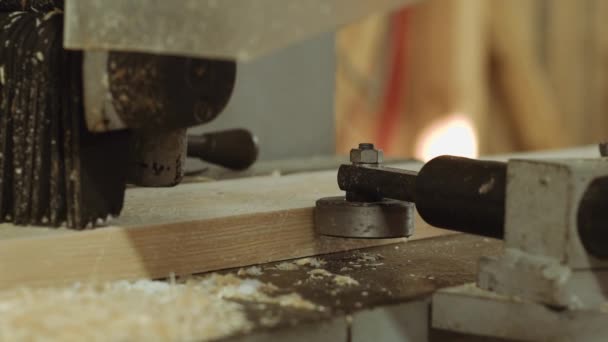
x,y
342,280
121,311
232,287
312,262
200,309
369,258
250,271
269,321
319,273
297,264
366,260
286,266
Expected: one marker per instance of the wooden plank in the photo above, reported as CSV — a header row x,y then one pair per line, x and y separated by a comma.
x,y
597,71
567,58
188,229
360,50
445,71
523,84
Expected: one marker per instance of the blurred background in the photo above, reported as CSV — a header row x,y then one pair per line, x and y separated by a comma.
x,y
464,77
475,77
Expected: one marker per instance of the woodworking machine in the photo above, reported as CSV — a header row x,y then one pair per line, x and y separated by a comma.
x,y
550,283
97,94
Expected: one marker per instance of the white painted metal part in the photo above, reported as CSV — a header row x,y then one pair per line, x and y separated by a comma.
x,y
232,29
545,285
470,310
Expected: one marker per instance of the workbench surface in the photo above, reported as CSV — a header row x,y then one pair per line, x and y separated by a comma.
x,y
386,277
377,293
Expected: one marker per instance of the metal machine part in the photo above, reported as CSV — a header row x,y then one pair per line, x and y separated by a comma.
x,y
157,159
70,117
54,170
364,214
450,192
465,195
552,271
235,149
152,92
337,216
238,30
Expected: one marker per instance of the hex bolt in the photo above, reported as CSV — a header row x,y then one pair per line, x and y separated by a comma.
x,y
366,153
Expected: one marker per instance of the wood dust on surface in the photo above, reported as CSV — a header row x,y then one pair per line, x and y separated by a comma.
x,y
199,309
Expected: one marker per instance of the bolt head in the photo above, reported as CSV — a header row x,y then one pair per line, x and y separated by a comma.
x,y
366,156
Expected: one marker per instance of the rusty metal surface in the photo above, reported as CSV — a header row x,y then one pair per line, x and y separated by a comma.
x,y
161,93
240,29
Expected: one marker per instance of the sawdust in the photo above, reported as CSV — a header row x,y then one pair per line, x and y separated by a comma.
x,y
287,266
250,271
120,311
366,260
199,309
297,264
319,273
312,262
232,287
342,280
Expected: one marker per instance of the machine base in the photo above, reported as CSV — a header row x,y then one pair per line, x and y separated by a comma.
x,y
471,310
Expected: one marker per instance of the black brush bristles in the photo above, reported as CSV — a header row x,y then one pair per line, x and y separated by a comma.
x,y
52,170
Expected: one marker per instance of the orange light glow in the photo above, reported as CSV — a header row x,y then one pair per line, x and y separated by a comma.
x,y
454,135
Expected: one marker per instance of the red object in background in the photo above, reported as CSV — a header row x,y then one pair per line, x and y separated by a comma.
x,y
392,103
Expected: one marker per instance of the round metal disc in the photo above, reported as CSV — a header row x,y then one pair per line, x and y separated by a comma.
x,y
335,216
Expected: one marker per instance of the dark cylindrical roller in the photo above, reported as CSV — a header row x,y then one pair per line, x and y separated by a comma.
x,y
156,92
463,194
235,149
592,217
157,159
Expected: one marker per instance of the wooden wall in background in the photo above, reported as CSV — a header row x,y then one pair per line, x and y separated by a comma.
x,y
531,74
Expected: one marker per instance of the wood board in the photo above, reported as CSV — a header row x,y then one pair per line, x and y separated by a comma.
x,y
189,229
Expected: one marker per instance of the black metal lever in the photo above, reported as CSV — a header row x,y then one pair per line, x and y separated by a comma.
x,y
235,149
450,192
